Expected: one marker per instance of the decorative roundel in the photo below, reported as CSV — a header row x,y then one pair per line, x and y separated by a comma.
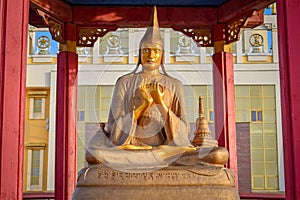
x,y
113,41
184,41
256,40
43,42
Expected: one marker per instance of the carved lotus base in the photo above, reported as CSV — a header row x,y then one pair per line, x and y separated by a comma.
x,y
174,182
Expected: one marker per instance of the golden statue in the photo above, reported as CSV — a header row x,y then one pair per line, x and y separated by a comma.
x,y
145,151
150,107
148,111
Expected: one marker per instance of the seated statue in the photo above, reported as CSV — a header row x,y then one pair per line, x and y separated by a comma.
x,y
148,107
148,112
145,152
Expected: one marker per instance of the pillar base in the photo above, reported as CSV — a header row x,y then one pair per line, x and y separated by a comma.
x,y
173,182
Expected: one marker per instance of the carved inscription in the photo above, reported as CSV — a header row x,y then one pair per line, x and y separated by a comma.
x,y
104,176
113,177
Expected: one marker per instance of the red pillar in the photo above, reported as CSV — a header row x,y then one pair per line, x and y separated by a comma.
x,y
13,48
289,52
66,120
224,107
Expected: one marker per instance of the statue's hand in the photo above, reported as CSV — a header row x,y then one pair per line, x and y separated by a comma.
x,y
157,93
147,101
147,98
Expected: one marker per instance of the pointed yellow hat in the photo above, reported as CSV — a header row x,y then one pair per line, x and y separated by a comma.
x,y
152,34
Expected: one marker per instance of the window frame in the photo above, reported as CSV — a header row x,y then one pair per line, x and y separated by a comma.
x,y
34,96
30,149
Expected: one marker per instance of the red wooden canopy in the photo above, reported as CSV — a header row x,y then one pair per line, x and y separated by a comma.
x,y
197,19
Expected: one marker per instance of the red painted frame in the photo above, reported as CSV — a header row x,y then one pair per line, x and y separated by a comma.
x,y
38,195
289,43
224,106
13,43
13,53
66,125
262,196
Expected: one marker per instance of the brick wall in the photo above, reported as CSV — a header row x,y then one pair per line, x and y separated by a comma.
x,y
243,157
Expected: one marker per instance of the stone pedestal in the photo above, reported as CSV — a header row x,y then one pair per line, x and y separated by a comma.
x,y
173,182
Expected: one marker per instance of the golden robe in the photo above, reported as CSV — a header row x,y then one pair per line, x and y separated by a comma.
x,y
152,128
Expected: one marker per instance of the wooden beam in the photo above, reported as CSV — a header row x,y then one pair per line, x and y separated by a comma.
x,y
237,9
138,16
35,19
56,8
255,20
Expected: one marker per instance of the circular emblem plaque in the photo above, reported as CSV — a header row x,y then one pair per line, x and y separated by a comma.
x,y
184,41
43,42
113,41
256,40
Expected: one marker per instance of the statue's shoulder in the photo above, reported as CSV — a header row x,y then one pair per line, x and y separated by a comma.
x,y
173,81
125,78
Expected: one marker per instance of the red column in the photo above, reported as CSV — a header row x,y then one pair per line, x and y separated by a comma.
x,y
13,48
289,54
66,120
224,107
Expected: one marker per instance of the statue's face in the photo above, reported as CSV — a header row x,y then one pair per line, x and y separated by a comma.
x,y
151,56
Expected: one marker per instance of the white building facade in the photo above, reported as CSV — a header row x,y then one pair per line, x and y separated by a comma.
x,y
257,90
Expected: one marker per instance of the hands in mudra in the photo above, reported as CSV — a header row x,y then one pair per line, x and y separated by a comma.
x,y
152,93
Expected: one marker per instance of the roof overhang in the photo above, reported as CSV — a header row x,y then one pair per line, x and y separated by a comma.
x,y
125,13
180,15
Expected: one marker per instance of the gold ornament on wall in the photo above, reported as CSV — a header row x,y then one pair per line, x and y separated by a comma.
x,y
43,43
256,40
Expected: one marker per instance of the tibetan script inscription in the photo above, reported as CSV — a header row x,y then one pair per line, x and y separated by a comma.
x,y
159,177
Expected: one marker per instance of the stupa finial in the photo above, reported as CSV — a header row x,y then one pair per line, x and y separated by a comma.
x,y
202,134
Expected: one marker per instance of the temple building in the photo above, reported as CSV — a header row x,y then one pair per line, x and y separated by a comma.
x,y
256,86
